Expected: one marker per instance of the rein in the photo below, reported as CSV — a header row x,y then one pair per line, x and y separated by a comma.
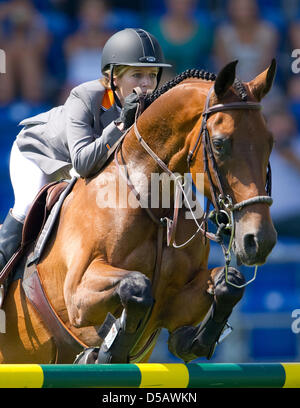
x,y
223,204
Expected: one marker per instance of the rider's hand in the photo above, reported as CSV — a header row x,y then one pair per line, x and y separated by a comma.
x,y
129,110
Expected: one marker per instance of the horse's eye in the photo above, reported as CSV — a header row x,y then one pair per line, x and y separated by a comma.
x,y
218,145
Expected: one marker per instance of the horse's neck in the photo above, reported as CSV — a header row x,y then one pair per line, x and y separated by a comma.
x,y
169,127
165,127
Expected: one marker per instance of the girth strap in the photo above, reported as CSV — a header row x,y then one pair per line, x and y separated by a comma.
x,y
68,345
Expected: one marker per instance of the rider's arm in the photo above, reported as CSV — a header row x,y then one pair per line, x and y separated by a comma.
x,y
88,152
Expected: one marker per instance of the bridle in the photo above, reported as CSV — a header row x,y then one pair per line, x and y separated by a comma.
x,y
223,203
209,156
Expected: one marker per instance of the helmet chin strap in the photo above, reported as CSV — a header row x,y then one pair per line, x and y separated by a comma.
x,y
113,87
159,75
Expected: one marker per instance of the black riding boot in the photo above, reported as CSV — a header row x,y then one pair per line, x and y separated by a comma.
x,y
10,238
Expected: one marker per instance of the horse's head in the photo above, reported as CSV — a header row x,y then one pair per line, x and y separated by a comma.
x,y
237,147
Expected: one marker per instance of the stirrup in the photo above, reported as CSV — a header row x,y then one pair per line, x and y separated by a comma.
x,y
87,356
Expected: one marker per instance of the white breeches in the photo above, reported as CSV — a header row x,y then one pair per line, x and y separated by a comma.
x,y
27,179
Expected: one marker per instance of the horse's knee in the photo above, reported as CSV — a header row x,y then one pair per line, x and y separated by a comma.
x,y
135,290
226,295
135,294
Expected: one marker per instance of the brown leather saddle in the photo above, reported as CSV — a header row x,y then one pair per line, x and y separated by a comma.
x,y
34,223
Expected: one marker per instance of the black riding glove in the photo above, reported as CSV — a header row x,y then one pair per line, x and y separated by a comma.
x,y
129,110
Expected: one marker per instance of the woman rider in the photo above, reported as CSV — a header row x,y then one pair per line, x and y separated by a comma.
x,y
82,133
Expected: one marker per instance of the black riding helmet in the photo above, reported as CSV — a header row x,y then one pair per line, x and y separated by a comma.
x,y
133,47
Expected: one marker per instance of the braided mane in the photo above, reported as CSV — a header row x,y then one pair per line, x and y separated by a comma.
x,y
193,73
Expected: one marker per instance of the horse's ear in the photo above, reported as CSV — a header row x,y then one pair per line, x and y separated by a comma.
x,y
261,85
225,79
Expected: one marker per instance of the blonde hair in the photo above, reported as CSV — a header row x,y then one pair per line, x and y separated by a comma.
x,y
119,71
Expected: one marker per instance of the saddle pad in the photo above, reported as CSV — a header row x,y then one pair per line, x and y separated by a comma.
x,y
49,224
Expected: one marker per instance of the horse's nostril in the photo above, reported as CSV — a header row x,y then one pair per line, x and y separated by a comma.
x,y
250,244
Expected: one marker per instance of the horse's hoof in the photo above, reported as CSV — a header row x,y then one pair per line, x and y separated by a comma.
x,y
180,341
183,343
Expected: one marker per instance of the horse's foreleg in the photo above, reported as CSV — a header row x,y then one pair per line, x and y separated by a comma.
x,y
103,291
121,335
189,342
89,295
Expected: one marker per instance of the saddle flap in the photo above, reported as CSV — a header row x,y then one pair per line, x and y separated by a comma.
x,y
53,194
36,215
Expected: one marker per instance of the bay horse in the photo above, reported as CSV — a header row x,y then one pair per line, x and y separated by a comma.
x,y
108,280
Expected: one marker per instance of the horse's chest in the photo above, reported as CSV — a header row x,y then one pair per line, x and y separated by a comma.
x,y
144,257
135,246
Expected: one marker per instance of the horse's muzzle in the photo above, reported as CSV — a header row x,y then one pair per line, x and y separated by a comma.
x,y
253,247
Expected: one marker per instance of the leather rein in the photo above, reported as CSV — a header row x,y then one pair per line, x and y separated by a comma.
x,y
223,204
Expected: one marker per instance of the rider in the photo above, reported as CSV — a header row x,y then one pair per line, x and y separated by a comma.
x,y
84,131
